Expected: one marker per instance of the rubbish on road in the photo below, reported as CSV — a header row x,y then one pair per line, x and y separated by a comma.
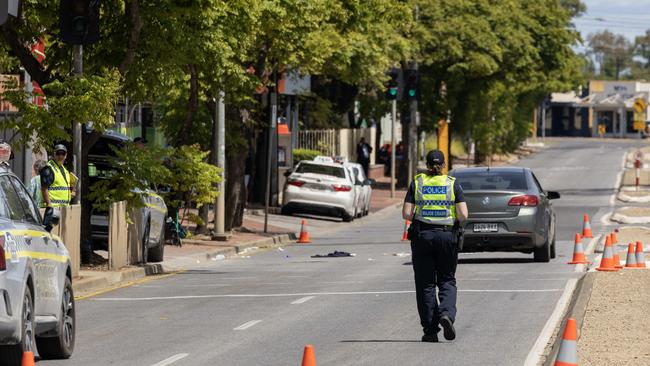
x,y
586,228
370,259
630,261
280,249
309,356
304,235
640,257
334,254
244,256
405,235
607,261
578,252
402,254
568,353
218,257
28,358
250,249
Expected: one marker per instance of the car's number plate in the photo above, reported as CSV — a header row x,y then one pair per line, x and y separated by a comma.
x,y
486,228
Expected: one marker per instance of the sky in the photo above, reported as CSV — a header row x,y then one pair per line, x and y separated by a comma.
x,y
627,17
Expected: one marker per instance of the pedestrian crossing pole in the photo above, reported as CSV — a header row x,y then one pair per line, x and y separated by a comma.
x,y
77,127
393,128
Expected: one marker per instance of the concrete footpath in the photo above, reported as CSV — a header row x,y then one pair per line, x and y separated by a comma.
x,y
250,238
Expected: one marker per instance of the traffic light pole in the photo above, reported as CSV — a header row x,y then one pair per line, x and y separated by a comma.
x,y
76,125
393,132
269,160
219,146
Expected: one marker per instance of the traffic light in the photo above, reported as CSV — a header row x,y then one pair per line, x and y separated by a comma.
x,y
79,21
8,7
393,91
412,84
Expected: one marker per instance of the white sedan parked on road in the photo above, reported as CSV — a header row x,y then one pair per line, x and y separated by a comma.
x,y
363,186
320,187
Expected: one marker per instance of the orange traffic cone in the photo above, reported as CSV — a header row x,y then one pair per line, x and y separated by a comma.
x,y
578,252
614,238
304,235
640,257
405,235
309,356
28,358
615,256
607,261
630,261
586,228
568,353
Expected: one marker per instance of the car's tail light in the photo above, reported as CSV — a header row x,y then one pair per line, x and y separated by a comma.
x,y
295,182
341,188
3,260
527,200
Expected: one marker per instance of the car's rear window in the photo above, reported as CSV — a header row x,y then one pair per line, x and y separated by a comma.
x,y
321,169
484,180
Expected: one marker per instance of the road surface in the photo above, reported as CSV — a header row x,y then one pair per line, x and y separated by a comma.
x,y
361,310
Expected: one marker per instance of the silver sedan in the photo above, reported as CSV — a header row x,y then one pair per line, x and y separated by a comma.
x,y
508,211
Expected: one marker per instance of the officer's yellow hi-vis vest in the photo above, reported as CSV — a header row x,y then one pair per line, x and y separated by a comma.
x,y
60,189
434,199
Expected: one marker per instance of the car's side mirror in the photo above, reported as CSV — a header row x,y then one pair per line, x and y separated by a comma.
x,y
51,218
287,173
552,195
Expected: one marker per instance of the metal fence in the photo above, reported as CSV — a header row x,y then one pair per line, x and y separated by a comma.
x,y
325,141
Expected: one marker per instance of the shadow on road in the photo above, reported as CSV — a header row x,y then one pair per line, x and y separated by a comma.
x,y
493,260
380,341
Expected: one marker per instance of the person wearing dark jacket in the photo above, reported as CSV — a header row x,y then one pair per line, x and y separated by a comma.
x,y
363,154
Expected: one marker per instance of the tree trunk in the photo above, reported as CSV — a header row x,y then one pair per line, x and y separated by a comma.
x,y
192,107
236,191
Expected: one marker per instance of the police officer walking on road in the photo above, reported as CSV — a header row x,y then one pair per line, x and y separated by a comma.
x,y
56,181
436,206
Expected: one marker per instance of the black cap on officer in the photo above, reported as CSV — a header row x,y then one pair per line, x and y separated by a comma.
x,y
60,147
435,157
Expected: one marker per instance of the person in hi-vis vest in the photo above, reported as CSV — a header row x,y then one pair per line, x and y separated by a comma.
x,y
436,206
56,181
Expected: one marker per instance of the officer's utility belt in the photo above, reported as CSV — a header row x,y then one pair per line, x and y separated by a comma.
x,y
423,226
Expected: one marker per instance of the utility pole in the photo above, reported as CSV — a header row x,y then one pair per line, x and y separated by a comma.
x,y
219,148
413,126
76,125
271,139
393,129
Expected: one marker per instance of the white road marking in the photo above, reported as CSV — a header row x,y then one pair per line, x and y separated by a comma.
x,y
340,282
275,283
302,300
238,278
535,354
247,325
296,276
171,360
189,297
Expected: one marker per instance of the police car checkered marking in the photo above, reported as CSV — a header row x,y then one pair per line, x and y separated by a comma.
x,y
434,203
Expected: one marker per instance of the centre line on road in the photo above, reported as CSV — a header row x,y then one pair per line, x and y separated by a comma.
x,y
302,300
247,325
190,297
171,360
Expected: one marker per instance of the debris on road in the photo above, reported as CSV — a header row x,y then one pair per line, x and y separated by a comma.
x,y
334,254
402,254
218,257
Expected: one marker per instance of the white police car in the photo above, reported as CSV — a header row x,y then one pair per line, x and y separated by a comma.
x,y
37,310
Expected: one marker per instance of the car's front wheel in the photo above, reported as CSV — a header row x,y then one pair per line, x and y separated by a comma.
x,y
61,345
13,354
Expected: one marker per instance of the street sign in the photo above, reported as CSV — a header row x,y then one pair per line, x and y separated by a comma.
x,y
640,105
639,125
601,130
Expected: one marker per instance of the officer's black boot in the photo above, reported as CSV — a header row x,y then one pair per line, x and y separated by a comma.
x,y
431,338
448,328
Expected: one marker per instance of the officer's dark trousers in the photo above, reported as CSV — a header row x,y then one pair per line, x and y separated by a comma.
x,y
434,263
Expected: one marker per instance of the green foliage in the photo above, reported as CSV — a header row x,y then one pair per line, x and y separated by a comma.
x,y
192,179
182,170
134,170
305,154
85,99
